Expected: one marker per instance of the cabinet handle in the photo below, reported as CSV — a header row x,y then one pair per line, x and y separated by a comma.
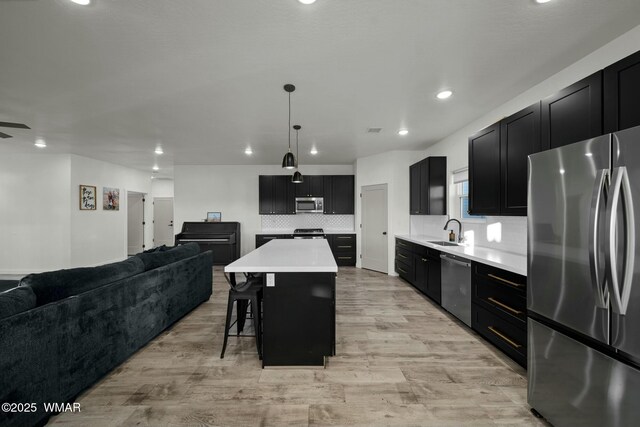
x,y
517,285
402,256
507,340
424,260
345,247
505,306
402,270
344,257
344,237
401,244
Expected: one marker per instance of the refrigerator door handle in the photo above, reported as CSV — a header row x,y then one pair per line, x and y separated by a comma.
x,y
599,286
620,295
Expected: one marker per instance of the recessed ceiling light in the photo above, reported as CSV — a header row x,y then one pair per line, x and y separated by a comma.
x,y
403,132
248,151
159,150
40,143
82,2
307,1
542,1
313,151
156,168
444,94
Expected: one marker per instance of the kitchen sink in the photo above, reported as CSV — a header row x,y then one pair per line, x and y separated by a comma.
x,y
443,243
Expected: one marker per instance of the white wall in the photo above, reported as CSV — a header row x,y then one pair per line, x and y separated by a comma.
x,y
232,190
455,146
391,168
34,212
100,236
161,187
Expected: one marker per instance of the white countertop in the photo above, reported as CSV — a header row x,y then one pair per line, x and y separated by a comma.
x,y
509,261
287,256
290,231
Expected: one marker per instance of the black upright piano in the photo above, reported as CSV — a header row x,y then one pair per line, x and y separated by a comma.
x,y
221,238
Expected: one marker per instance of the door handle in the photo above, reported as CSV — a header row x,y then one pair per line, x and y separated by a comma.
x,y
599,286
620,295
384,233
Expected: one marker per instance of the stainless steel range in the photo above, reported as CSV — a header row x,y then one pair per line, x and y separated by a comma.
x,y
308,233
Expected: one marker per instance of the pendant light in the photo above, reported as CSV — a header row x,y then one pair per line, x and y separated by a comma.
x,y
289,161
297,176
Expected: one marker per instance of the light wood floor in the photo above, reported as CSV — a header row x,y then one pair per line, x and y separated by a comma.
x,y
400,361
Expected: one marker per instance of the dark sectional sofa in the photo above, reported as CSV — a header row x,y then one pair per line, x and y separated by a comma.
x,y
62,331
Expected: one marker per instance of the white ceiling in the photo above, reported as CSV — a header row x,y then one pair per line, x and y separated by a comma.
x,y
204,77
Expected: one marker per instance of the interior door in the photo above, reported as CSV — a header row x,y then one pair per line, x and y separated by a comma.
x,y
374,228
626,319
562,217
135,223
163,221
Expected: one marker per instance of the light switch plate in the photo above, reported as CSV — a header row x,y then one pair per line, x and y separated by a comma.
x,y
271,279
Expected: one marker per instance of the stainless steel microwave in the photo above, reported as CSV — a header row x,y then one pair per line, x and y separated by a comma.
x,y
309,204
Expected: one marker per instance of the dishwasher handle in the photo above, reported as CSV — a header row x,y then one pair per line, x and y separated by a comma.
x,y
455,261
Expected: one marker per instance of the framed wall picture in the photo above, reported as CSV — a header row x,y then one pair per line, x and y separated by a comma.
x,y
110,199
214,216
87,197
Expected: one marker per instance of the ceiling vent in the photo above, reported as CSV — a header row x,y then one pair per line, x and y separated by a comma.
x,y
374,130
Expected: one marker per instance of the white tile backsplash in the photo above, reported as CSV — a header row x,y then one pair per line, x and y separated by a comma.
x,y
287,223
506,233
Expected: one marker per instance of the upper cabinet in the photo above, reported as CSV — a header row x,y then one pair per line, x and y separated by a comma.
x,y
312,186
622,94
428,186
276,195
573,114
484,171
339,194
519,137
498,164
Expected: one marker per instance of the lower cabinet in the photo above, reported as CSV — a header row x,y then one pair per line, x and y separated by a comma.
x,y
420,266
343,246
499,309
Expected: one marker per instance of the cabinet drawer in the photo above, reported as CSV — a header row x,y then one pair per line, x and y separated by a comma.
x,y
510,339
339,239
404,256
501,277
505,301
345,259
405,271
404,244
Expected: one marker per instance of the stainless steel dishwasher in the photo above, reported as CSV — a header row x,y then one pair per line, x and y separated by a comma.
x,y
456,286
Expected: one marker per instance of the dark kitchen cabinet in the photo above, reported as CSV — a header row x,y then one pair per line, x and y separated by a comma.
x,y
519,137
343,247
573,114
339,194
276,195
484,171
420,266
499,309
622,94
312,186
428,186
261,239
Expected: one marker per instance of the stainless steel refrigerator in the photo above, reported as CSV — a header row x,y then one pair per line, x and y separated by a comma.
x,y
583,292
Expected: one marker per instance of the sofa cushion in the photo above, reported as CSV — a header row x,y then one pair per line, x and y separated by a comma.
x,y
16,301
56,285
157,259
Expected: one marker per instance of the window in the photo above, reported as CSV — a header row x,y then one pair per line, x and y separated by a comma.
x,y
463,196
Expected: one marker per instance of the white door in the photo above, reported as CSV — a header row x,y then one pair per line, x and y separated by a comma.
x,y
374,228
135,223
163,221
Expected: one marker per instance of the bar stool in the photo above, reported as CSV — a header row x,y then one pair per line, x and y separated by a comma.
x,y
243,294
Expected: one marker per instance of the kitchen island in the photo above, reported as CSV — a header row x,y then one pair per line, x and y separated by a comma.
x,y
298,313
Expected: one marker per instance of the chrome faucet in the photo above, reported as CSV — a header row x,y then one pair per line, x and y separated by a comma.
x,y
460,237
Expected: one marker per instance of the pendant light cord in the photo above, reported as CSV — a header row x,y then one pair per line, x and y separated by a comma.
x,y
297,158
289,122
